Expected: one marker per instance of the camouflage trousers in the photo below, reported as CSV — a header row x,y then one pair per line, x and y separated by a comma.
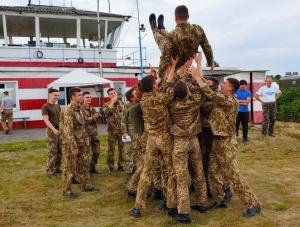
x,y
130,151
115,137
223,163
95,147
269,110
7,114
158,146
77,167
187,153
54,154
206,141
160,39
140,156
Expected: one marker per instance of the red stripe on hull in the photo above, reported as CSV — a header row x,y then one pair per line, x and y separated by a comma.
x,y
32,104
129,82
27,83
57,64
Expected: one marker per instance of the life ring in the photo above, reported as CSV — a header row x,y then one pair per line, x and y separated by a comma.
x,y
39,54
80,60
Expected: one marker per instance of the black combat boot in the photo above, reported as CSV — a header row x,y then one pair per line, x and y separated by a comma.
x,y
152,21
160,22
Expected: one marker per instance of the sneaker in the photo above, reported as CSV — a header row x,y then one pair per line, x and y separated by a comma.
x,y
263,136
272,134
51,175
252,211
110,170
70,195
92,189
246,141
135,213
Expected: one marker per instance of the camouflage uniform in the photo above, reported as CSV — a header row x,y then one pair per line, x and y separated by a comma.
x,y
223,160
185,116
74,137
92,131
127,127
54,154
113,117
182,43
159,145
269,110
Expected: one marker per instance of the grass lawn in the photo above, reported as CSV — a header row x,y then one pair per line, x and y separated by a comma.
x,y
29,198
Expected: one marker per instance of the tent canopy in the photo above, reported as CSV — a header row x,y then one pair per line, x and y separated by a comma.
x,y
78,78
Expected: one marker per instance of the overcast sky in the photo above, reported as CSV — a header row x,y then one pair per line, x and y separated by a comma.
x,y
248,34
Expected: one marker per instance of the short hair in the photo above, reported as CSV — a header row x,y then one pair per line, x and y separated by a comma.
x,y
180,90
243,82
146,84
5,93
235,84
86,93
269,77
182,12
214,80
73,90
110,89
52,90
128,94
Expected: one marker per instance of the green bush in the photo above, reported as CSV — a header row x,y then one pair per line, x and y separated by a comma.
x,y
289,105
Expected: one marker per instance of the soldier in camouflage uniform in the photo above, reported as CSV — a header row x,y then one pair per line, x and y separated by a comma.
x,y
51,113
113,112
127,130
75,146
182,42
91,116
223,155
159,144
206,136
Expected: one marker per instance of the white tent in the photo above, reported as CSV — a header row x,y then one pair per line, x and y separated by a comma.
x,y
78,78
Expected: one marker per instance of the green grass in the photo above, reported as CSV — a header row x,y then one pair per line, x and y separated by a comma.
x,y
28,198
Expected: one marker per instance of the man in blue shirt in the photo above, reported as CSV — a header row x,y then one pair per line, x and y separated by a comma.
x,y
244,97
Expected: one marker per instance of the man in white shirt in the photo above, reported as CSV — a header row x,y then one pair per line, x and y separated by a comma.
x,y
269,94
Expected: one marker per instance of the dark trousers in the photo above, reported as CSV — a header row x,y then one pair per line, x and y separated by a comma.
x,y
242,117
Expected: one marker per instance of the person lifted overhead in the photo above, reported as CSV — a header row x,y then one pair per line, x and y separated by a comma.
x,y
182,42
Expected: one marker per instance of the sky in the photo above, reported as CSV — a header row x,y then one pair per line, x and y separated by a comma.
x,y
247,34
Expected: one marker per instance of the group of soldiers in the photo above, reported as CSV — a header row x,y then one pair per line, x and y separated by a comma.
x,y
174,111
73,133
175,128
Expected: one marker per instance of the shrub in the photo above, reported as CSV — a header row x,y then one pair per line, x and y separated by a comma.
x,y
289,105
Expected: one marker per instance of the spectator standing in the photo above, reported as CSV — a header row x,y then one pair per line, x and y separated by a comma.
x,y
6,109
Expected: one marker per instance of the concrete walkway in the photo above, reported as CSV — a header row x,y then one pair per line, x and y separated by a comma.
x,y
36,134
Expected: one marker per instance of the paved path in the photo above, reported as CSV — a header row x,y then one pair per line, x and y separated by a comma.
x,y
36,134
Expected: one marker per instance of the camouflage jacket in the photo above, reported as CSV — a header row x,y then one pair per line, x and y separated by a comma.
x,y
113,115
72,126
185,115
155,111
126,124
206,107
222,118
91,125
183,42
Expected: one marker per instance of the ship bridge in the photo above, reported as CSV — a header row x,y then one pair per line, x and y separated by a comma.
x,y
52,36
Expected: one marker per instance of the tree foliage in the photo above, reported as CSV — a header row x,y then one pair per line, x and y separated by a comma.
x,y
289,105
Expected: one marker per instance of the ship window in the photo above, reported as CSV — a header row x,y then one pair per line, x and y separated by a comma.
x,y
11,88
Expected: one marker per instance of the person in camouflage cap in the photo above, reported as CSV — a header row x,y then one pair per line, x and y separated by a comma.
x,y
224,151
